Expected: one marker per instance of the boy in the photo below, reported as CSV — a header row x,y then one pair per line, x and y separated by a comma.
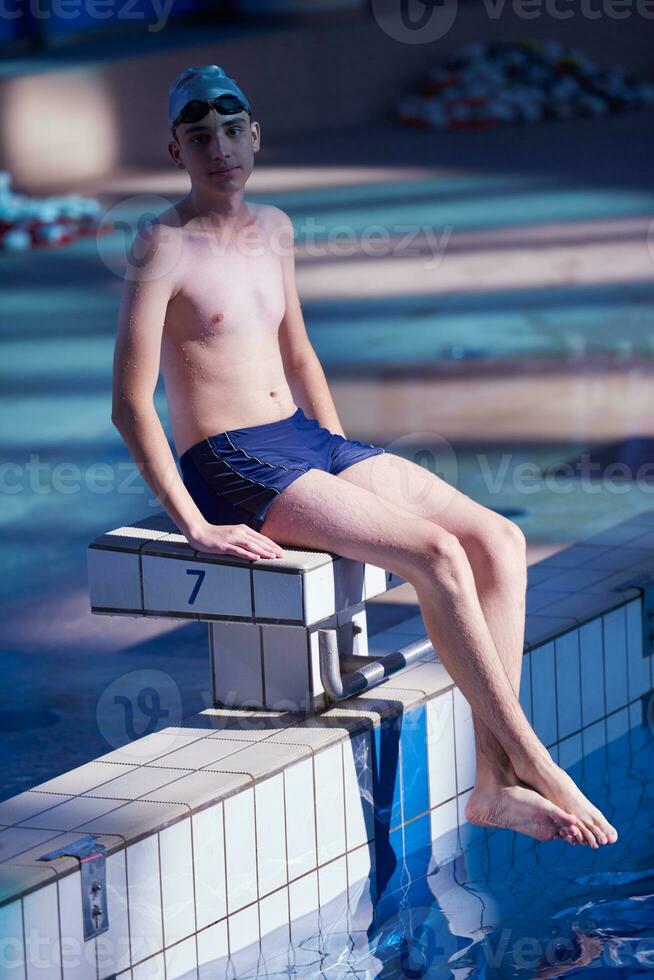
x,y
215,300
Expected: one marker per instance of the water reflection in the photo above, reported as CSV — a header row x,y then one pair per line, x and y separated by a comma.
x,y
480,903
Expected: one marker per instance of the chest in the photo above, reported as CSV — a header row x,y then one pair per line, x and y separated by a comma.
x,y
229,291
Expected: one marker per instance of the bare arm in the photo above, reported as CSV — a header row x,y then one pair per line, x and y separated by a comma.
x,y
302,367
150,283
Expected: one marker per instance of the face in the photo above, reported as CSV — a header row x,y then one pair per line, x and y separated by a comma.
x,y
217,151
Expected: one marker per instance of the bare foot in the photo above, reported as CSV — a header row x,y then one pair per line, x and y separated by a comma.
x,y
520,808
556,785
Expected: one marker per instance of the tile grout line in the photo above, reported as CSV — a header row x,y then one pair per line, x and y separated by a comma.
x,y
229,941
195,897
286,878
256,864
342,758
262,664
97,958
22,923
604,711
626,649
347,862
212,664
252,597
315,822
161,899
61,960
583,709
604,677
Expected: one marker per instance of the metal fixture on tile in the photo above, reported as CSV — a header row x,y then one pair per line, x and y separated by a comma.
x,y
345,674
93,875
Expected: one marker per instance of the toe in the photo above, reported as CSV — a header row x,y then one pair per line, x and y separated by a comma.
x,y
604,827
598,833
568,826
609,831
578,835
587,836
566,819
591,834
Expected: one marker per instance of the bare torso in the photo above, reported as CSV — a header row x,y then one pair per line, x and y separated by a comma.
x,y
220,354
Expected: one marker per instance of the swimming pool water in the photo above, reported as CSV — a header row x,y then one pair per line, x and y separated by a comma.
x,y
492,903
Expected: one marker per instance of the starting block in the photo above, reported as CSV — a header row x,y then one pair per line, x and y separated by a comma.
x,y
284,633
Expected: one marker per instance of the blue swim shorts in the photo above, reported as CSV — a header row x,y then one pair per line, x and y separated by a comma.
x,y
234,476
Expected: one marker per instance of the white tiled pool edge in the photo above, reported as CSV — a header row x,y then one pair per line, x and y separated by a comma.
x,y
196,875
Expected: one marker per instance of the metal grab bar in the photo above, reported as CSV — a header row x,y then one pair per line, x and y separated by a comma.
x,y
348,674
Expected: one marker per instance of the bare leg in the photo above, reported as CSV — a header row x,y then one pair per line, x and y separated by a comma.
x,y
455,622
502,599
497,556
499,565
499,797
321,511
498,562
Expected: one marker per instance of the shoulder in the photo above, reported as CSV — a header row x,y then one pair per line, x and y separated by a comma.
x,y
273,216
278,230
156,247
162,231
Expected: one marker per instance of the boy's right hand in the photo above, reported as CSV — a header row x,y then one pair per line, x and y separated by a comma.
x,y
233,539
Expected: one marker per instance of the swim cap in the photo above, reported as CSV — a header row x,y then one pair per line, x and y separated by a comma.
x,y
202,82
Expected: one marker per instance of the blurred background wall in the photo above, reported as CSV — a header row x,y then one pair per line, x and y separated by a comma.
x,y
78,99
